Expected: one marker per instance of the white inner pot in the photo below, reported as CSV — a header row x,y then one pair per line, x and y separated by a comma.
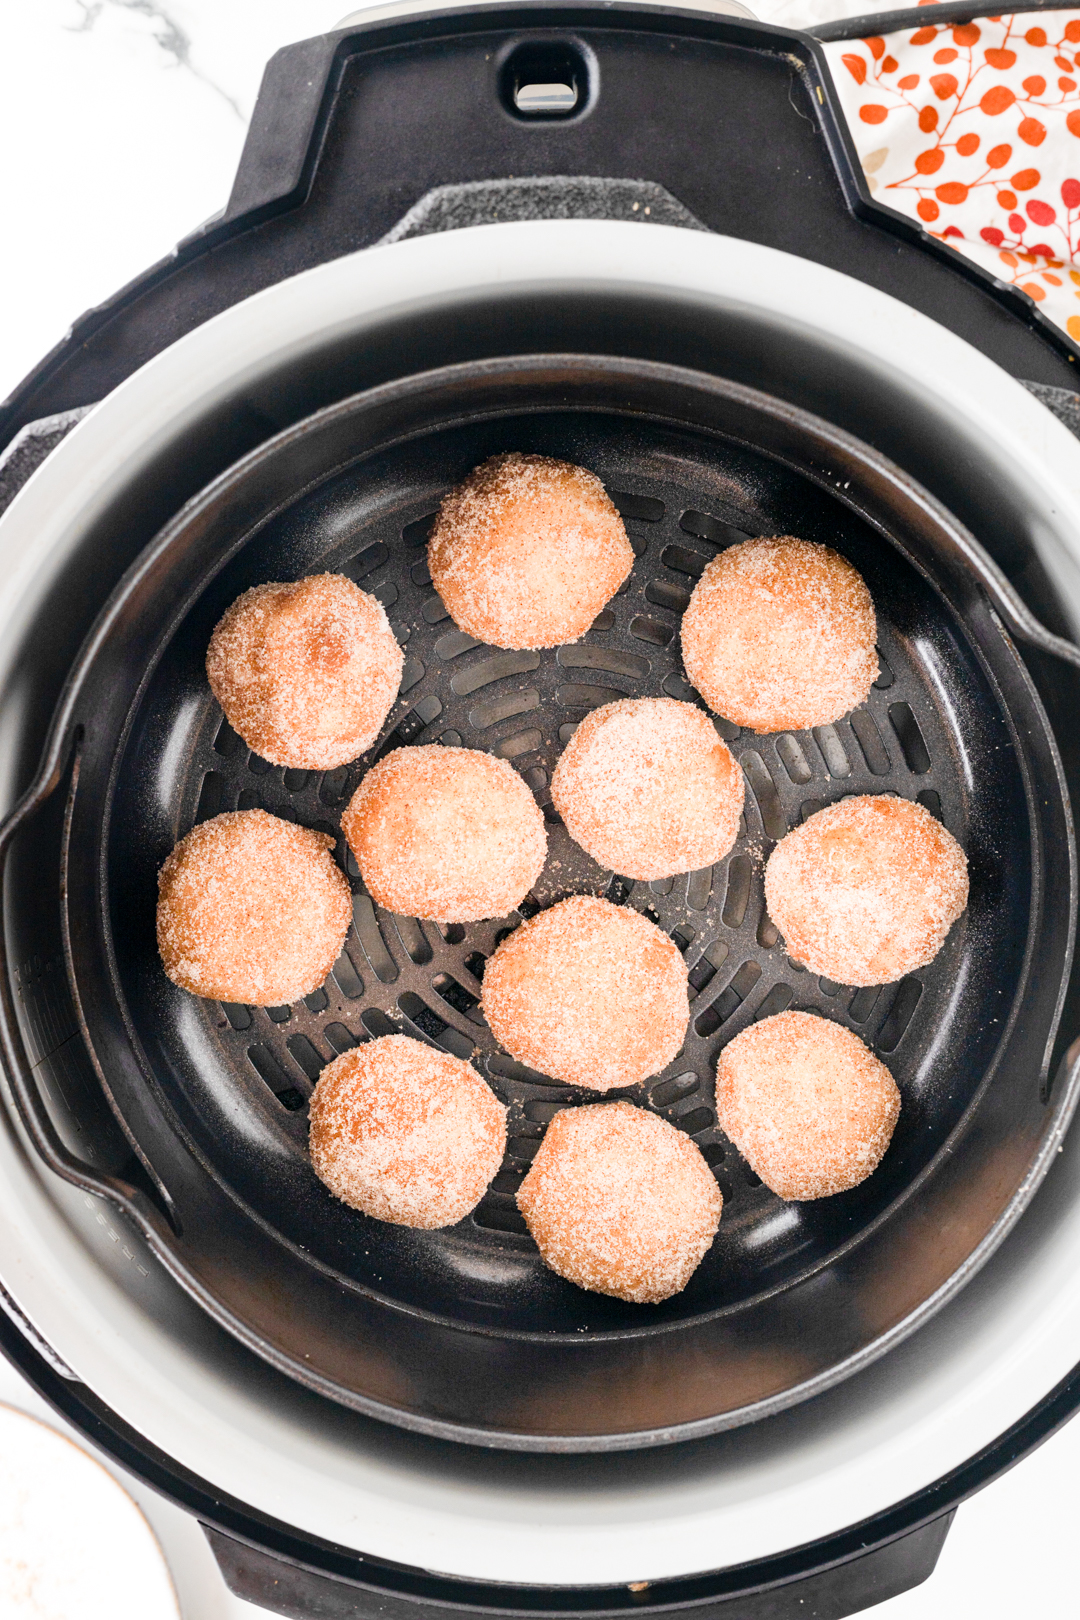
x,y
108,1309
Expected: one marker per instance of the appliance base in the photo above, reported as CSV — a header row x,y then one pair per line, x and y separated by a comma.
x,y
844,1589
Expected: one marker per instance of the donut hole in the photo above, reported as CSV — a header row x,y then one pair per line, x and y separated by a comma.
x,y
779,635
251,910
648,789
866,890
305,671
449,834
527,551
620,1202
406,1134
807,1103
592,994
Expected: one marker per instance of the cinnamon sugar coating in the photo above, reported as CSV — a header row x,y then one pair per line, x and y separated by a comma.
x,y
405,1133
251,909
779,635
647,788
451,834
306,672
590,993
866,890
620,1202
527,551
806,1102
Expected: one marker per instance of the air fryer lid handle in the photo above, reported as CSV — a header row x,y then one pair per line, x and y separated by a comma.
x,y
116,1170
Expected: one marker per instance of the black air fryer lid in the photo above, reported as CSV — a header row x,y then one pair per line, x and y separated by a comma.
x,y
736,121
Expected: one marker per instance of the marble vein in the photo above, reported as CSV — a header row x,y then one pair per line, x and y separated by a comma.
x,y
167,32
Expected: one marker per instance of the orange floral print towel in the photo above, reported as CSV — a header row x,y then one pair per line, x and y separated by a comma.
x,y
974,130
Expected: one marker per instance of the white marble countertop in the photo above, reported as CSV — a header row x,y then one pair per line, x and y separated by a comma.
x,y
122,122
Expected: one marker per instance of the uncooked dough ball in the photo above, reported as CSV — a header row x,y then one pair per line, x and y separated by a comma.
x,y
251,909
779,635
647,788
527,551
405,1133
866,890
808,1105
620,1202
589,993
307,672
447,833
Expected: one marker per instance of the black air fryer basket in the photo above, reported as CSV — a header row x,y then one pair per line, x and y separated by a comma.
x,y
191,1116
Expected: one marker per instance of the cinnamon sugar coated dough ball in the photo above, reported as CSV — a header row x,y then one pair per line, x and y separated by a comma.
x,y
527,551
647,788
620,1202
807,1104
452,834
589,993
779,635
866,890
251,909
405,1133
307,672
